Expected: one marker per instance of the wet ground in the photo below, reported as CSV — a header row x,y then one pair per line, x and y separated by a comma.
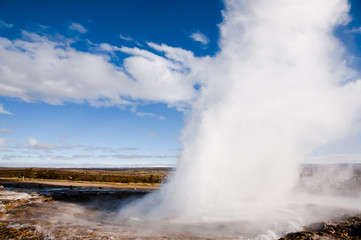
x,y
63,213
33,211
344,228
77,213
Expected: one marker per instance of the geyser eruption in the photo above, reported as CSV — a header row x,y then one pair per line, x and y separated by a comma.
x,y
278,89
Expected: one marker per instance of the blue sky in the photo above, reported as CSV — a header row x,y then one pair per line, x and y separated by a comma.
x,y
66,91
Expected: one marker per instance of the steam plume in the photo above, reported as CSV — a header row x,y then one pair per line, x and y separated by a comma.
x,y
278,89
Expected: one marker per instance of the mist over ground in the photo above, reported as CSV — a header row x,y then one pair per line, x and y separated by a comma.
x,y
46,210
279,89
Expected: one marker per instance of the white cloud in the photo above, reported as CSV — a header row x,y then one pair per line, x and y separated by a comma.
x,y
126,38
77,27
86,156
4,130
11,157
36,68
3,111
200,37
335,158
86,148
129,39
5,25
77,150
147,114
137,156
354,30
152,134
34,144
127,148
56,157
2,142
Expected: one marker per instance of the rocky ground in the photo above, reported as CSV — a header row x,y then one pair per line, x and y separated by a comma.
x,y
90,213
347,228
75,213
11,202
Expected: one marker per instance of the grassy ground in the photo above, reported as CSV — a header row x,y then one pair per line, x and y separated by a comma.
x,y
141,178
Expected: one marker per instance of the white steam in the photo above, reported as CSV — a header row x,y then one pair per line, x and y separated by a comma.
x,y
278,89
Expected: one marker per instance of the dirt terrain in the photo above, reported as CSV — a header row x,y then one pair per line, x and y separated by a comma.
x,y
88,214
33,208
77,214
19,183
345,228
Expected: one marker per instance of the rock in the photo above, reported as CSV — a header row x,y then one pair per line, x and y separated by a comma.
x,y
7,232
299,236
349,228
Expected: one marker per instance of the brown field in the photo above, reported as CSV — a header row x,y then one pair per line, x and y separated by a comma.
x,y
12,172
141,178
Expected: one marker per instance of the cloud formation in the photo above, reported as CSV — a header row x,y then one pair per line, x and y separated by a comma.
x,y
77,27
2,142
5,130
36,68
335,159
35,153
152,134
81,149
3,111
354,30
137,156
5,25
11,157
147,114
34,144
200,37
126,38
